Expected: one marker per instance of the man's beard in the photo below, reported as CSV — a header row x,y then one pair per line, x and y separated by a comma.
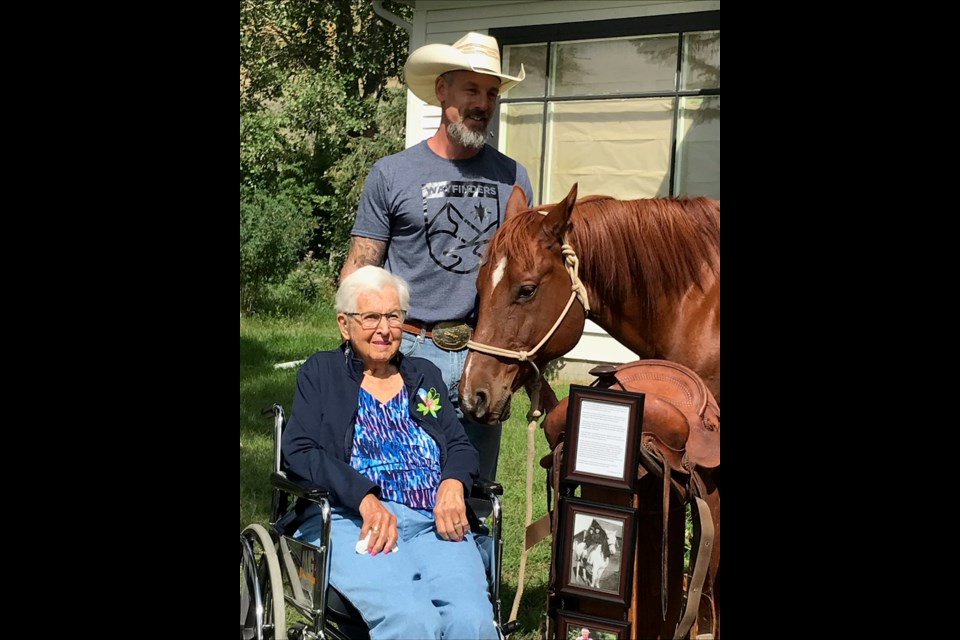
x,y
465,136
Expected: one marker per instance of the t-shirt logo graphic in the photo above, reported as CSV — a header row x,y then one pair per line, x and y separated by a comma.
x,y
459,218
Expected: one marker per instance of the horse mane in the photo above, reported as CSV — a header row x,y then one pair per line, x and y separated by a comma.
x,y
657,246
654,246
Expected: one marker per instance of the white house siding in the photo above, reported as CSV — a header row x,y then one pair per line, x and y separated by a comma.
x,y
445,21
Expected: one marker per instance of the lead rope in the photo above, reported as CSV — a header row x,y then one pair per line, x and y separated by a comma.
x,y
572,264
532,416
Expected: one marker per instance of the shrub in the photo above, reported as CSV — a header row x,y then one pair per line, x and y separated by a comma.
x,y
275,230
312,283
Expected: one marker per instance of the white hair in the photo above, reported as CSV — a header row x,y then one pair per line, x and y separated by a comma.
x,y
369,278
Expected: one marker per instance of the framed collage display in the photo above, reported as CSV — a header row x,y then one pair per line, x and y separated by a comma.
x,y
594,561
603,433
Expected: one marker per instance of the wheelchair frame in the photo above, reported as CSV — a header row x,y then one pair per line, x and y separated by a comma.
x,y
276,569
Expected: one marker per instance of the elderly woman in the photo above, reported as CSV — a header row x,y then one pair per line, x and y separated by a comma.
x,y
378,430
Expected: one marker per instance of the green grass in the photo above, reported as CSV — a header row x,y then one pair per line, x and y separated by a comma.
x,y
265,342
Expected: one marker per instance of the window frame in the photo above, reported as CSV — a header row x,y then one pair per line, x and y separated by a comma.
x,y
678,23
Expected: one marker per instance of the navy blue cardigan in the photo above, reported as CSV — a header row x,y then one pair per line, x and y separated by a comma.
x,y
318,438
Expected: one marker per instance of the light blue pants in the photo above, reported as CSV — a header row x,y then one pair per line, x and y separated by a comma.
x,y
428,588
486,438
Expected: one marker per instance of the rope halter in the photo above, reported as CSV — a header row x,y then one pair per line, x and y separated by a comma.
x,y
577,291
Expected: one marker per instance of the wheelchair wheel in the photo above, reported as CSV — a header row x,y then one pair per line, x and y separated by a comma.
x,y
262,612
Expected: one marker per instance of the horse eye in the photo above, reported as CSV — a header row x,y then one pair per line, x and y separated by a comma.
x,y
527,290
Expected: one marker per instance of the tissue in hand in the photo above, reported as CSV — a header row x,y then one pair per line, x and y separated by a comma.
x,y
362,545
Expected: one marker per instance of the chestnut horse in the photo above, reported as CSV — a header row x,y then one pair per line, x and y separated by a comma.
x,y
647,271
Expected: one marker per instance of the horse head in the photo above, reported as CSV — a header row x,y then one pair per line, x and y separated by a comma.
x,y
524,293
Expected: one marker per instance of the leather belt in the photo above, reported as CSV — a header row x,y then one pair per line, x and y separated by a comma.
x,y
415,326
451,335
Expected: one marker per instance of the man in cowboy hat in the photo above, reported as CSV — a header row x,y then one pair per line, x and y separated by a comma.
x,y
475,59
428,212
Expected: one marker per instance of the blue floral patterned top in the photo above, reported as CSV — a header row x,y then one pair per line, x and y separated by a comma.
x,y
393,451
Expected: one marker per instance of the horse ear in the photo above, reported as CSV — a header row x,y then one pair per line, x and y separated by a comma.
x,y
516,202
555,223
571,198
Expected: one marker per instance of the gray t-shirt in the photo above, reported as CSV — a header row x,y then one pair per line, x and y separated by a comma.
x,y
437,216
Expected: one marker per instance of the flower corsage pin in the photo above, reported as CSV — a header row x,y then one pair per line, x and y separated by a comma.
x,y
429,401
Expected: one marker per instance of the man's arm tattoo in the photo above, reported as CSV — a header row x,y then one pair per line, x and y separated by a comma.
x,y
363,251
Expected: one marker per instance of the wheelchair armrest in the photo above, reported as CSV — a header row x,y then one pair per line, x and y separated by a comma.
x,y
301,489
486,488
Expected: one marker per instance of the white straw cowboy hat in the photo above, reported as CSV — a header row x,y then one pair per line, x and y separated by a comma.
x,y
472,52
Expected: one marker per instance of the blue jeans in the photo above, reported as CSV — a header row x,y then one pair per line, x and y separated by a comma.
x,y
428,588
486,438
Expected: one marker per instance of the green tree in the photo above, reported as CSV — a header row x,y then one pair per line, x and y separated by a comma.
x,y
313,93
348,173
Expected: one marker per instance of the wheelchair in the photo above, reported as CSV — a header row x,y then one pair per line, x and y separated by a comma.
x,y
277,570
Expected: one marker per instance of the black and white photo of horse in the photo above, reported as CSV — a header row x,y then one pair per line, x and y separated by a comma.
x,y
596,552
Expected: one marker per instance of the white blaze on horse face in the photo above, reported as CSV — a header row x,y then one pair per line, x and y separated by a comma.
x,y
498,272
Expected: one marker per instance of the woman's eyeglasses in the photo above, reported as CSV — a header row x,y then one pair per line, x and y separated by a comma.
x,y
371,319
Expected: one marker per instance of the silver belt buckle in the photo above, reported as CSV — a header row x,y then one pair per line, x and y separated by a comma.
x,y
450,335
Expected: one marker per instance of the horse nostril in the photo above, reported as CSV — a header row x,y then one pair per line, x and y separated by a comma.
x,y
481,404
